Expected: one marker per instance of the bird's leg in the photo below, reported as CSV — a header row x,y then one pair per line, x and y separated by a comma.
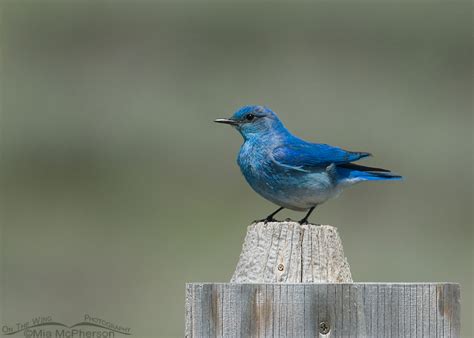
x,y
304,220
270,218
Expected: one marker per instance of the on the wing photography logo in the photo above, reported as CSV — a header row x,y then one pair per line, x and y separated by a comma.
x,y
47,327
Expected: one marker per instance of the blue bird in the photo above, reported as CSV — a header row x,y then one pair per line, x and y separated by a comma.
x,y
291,172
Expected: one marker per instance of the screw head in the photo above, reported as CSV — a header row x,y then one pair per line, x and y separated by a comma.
x,y
324,327
281,267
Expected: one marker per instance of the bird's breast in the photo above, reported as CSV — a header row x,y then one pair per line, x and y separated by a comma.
x,y
254,161
260,170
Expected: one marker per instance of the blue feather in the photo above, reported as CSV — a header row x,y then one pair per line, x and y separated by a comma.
x,y
289,171
302,154
356,175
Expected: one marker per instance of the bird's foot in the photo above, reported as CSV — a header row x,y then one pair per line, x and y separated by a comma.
x,y
265,220
303,221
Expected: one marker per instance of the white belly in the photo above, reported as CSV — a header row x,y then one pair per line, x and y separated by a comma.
x,y
299,192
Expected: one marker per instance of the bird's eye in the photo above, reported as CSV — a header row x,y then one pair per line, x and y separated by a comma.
x,y
249,117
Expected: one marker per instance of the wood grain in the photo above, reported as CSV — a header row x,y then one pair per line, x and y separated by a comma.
x,y
348,310
288,252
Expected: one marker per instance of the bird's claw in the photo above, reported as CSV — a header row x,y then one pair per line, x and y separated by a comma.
x,y
265,220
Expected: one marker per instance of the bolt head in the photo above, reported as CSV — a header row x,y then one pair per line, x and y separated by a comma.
x,y
324,327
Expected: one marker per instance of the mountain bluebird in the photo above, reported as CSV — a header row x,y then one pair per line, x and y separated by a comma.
x,y
291,172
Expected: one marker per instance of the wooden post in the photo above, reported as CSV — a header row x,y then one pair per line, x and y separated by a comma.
x,y
288,252
323,310
293,280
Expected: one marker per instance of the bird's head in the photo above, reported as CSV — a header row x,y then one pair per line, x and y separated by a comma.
x,y
253,121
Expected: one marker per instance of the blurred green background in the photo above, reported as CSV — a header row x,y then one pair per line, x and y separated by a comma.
x,y
117,188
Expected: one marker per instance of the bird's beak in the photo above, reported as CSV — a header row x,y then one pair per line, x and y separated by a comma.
x,y
227,121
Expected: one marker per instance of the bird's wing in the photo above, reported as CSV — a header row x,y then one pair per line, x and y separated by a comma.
x,y
306,155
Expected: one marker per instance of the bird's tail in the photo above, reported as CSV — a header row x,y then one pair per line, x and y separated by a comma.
x,y
351,172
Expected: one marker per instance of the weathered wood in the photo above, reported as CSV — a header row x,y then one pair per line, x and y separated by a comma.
x,y
288,252
323,310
